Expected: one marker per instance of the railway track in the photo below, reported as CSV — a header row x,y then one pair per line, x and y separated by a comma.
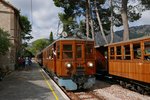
x,y
102,90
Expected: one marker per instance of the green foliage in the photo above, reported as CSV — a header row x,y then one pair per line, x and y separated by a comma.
x,y
4,42
26,28
25,53
38,45
68,17
51,37
74,13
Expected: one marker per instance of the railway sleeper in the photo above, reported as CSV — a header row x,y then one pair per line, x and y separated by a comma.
x,y
145,90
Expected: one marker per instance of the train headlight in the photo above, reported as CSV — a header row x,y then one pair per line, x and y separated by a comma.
x,y
68,65
90,64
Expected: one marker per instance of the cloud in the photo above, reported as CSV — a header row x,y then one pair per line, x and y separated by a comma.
x,y
44,16
144,20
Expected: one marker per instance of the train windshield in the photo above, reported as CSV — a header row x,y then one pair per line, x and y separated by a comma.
x,y
89,51
67,51
78,51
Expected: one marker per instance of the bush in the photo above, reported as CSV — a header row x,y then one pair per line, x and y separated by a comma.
x,y
4,42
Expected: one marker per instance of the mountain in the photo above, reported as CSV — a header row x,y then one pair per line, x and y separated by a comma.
x,y
136,31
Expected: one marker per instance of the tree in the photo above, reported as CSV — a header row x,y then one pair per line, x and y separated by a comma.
x,y
112,24
4,42
25,34
129,13
87,18
125,20
51,37
91,21
99,22
38,46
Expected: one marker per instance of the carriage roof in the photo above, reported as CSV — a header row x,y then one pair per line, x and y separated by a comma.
x,y
66,39
130,41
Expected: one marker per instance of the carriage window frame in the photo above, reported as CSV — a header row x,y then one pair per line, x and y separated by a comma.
x,y
127,52
112,53
146,54
67,51
58,51
89,50
80,57
136,51
119,52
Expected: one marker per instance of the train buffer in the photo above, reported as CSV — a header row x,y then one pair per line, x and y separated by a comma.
x,y
30,84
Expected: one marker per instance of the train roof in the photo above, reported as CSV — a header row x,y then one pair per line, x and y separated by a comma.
x,y
128,41
66,39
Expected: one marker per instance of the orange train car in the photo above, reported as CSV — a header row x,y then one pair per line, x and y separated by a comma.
x,y
130,60
71,61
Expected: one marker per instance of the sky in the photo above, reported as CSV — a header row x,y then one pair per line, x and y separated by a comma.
x,y
44,17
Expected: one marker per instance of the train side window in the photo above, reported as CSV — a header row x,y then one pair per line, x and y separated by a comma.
x,y
137,51
147,51
67,51
127,55
112,53
50,54
89,51
78,51
118,50
58,52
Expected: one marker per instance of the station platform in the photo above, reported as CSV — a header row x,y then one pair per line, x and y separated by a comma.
x,y
31,83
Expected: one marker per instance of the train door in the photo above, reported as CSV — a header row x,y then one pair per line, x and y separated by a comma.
x,y
79,54
54,56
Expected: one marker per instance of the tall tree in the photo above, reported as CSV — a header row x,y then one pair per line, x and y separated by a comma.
x,y
112,24
51,37
4,42
91,20
26,28
87,18
125,20
99,22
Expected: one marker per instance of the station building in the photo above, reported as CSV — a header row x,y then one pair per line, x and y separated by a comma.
x,y
10,22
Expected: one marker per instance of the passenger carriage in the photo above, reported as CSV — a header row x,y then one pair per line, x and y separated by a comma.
x,y
71,61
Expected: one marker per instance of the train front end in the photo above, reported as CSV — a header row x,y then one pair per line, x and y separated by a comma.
x,y
77,61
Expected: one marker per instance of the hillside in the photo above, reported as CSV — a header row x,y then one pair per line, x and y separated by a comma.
x,y
136,31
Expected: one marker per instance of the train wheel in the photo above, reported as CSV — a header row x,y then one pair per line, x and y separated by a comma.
x,y
122,84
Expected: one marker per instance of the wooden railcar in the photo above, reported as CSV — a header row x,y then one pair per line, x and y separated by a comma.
x,y
71,62
130,59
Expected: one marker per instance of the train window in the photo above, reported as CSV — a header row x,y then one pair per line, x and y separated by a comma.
x,y
51,54
112,51
67,47
79,51
118,50
147,51
137,51
58,51
67,51
89,51
127,52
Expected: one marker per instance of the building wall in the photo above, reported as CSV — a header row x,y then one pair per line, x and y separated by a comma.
x,y
9,21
